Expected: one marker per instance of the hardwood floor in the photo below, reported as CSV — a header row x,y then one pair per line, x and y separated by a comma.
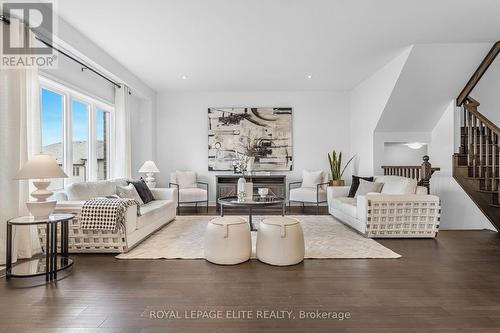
x,y
451,284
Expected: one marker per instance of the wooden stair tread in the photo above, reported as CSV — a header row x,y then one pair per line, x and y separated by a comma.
x,y
487,191
495,205
481,178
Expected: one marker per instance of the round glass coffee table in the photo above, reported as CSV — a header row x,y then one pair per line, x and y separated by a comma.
x,y
257,202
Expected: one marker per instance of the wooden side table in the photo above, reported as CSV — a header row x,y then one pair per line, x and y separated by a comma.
x,y
53,262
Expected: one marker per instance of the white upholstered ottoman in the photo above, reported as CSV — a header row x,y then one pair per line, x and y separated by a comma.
x,y
280,241
228,240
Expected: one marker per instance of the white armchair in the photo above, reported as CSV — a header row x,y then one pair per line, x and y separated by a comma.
x,y
401,210
312,189
189,191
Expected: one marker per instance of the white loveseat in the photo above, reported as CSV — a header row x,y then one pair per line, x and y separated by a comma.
x,y
401,210
154,215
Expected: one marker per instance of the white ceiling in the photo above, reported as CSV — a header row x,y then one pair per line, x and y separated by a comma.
x,y
271,44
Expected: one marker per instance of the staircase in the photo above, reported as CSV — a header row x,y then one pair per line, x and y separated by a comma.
x,y
476,165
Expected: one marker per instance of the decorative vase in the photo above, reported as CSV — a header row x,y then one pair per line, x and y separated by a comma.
x,y
250,162
338,182
241,189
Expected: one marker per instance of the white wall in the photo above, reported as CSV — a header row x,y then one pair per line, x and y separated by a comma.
x,y
397,153
141,115
487,92
320,124
70,73
458,210
367,102
380,138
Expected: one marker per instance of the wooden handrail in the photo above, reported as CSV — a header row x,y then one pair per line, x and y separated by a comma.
x,y
478,74
422,173
471,106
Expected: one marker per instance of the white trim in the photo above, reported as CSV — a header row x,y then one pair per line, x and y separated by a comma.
x,y
61,85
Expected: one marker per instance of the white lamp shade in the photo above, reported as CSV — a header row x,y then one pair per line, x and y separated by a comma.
x,y
149,167
41,166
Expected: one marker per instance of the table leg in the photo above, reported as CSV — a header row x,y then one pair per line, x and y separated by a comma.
x,y
65,239
221,210
47,251
252,228
283,208
8,252
54,244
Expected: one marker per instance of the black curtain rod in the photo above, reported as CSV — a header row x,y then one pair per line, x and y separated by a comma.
x,y
4,19
79,62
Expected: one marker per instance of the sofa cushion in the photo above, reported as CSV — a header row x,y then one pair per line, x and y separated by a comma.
x,y
89,190
368,187
143,190
186,179
311,178
346,205
153,211
307,194
192,194
355,184
129,192
397,185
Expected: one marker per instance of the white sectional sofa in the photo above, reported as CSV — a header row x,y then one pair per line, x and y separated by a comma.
x,y
402,209
154,215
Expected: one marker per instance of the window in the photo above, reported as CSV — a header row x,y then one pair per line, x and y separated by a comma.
x,y
76,131
52,129
102,144
80,134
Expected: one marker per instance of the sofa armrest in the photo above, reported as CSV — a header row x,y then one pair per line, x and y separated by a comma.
x,y
402,197
60,196
422,190
165,194
337,191
70,204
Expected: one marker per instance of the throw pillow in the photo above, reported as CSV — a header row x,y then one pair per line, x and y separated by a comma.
x,y
367,187
355,184
186,179
311,178
129,192
143,190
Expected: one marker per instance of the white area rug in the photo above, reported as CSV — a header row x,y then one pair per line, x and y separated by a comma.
x,y
324,237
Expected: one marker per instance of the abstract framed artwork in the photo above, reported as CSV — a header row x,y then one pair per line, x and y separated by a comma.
x,y
261,134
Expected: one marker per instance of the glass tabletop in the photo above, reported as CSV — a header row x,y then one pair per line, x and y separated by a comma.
x,y
255,200
40,220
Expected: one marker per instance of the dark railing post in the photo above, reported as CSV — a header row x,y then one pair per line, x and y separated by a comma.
x,y
426,173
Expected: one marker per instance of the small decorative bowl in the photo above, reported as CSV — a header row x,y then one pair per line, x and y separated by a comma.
x,y
263,192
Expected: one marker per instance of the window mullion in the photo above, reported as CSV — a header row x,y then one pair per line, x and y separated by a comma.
x,y
92,143
67,138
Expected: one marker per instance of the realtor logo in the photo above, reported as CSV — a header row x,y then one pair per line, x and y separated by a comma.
x,y
20,49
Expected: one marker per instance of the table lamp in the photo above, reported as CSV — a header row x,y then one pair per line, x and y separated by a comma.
x,y
41,168
149,168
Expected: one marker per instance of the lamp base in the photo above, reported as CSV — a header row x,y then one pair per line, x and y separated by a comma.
x,y
41,209
150,180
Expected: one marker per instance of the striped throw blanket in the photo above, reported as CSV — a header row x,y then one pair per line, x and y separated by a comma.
x,y
106,214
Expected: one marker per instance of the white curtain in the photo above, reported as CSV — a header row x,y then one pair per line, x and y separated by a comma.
x,y
122,163
20,138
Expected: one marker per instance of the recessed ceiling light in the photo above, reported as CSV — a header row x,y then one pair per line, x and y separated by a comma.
x,y
184,77
309,76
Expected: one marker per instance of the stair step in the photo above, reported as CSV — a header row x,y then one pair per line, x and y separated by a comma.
x,y
488,191
495,205
481,178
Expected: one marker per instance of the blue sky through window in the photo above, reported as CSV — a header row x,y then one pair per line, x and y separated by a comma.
x,y
80,121
52,117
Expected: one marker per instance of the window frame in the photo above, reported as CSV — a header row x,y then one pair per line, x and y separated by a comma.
x,y
69,95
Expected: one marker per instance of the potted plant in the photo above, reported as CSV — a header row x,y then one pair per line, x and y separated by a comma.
x,y
336,168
